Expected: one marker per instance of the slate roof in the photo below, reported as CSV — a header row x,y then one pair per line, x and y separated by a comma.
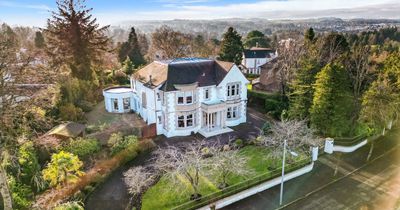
x,y
205,72
258,53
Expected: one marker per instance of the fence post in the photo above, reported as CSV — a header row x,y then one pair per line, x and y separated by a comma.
x,y
314,153
329,142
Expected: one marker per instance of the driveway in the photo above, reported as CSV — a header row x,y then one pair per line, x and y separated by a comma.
x,y
358,183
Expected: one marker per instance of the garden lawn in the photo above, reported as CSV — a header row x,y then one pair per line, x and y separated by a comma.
x,y
167,195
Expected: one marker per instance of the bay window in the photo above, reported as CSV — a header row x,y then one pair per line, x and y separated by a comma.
x,y
186,120
187,97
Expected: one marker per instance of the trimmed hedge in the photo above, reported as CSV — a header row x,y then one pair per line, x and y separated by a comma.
x,y
271,103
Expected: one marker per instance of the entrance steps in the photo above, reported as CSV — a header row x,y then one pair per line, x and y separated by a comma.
x,y
214,132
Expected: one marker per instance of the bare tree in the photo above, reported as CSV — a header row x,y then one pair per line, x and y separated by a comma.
x,y
167,43
296,133
188,164
225,164
138,179
289,52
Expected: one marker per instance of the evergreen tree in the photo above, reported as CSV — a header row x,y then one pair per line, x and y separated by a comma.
x,y
332,103
309,35
131,49
256,39
231,47
75,38
128,67
379,105
39,40
302,91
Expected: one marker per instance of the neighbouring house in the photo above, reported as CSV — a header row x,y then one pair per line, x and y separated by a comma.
x,y
184,96
255,57
269,79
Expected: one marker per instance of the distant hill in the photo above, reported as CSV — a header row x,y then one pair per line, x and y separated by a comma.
x,y
215,28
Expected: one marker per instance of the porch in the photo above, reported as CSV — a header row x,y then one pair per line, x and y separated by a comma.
x,y
213,119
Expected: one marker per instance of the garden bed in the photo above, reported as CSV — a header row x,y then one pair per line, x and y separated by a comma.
x,y
166,195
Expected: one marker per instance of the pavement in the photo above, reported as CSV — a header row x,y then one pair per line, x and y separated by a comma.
x,y
341,181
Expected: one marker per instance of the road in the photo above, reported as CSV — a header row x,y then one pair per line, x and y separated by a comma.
x,y
358,183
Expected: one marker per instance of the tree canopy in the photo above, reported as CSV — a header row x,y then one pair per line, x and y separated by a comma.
x,y
131,49
231,47
75,39
256,39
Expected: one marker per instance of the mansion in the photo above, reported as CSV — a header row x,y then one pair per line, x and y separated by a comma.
x,y
184,96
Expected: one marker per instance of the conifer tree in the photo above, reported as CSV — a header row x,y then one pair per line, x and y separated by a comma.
x,y
131,48
39,40
75,38
309,35
128,67
302,91
231,47
332,103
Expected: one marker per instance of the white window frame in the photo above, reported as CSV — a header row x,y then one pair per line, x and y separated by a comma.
x,y
185,119
185,95
207,94
232,113
235,88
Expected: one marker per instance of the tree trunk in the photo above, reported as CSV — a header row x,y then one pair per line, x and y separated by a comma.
x,y
5,192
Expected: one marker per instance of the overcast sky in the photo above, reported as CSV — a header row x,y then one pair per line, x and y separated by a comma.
x,y
35,12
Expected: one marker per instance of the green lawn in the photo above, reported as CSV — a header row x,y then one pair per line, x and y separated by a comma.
x,y
166,194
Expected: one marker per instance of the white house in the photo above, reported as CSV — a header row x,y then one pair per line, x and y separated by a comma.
x,y
255,57
184,96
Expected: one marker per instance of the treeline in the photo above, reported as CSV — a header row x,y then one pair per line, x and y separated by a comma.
x,y
345,87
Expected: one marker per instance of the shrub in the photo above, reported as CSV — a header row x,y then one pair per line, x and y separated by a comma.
x,y
30,168
266,128
118,143
70,112
70,206
21,194
238,143
64,167
121,78
83,148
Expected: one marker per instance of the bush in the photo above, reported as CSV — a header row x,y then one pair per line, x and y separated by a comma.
x,y
83,148
272,104
121,78
118,143
30,167
70,206
70,112
22,194
238,143
266,128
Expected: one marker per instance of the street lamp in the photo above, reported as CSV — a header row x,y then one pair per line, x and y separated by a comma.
x,y
283,168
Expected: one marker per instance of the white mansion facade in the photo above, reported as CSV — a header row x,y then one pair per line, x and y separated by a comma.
x,y
184,96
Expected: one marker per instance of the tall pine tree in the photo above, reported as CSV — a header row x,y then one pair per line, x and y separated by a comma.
x,y
231,47
131,49
302,90
75,38
332,103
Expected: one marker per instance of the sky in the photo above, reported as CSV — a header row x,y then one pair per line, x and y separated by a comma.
x,y
35,12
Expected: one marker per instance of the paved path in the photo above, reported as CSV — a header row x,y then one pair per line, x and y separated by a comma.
x,y
358,184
